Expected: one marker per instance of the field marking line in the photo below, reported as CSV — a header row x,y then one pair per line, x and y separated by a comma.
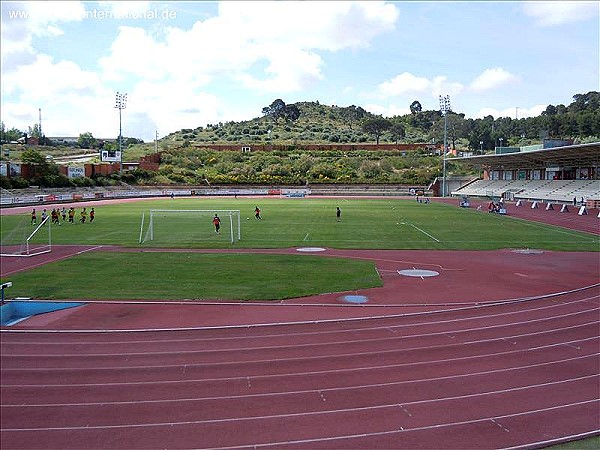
x,y
424,232
306,237
33,266
562,229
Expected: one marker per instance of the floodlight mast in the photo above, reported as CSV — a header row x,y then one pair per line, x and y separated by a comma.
x,y
444,109
120,104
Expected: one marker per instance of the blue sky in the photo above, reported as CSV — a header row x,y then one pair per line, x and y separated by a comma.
x,y
187,64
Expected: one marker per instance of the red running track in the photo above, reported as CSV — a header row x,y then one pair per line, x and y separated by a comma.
x,y
501,350
511,374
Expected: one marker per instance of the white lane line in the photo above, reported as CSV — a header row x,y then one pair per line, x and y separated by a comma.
x,y
509,339
311,413
3,342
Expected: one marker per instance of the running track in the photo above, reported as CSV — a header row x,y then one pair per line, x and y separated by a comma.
x,y
501,350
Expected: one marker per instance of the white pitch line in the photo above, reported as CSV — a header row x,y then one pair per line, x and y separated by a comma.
x,y
306,237
424,232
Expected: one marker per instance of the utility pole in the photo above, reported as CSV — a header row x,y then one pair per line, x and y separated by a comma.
x,y
156,142
40,126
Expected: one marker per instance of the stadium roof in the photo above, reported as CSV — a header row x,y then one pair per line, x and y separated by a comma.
x,y
579,155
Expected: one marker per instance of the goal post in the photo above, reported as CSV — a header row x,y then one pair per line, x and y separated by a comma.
x,y
190,226
22,241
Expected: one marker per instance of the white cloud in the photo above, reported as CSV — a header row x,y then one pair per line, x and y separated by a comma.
x,y
291,73
441,86
23,20
71,99
169,106
514,113
124,9
267,47
492,78
327,25
405,83
408,84
281,37
40,18
557,13
387,111
45,80
135,52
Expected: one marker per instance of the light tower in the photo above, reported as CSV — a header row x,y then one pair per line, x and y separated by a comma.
x,y
444,109
120,103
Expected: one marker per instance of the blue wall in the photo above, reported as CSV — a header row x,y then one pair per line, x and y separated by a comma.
x,y
15,311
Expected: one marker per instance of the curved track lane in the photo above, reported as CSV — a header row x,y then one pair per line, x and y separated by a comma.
x,y
487,377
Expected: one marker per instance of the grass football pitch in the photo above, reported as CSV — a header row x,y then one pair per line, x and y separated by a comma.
x,y
303,222
286,223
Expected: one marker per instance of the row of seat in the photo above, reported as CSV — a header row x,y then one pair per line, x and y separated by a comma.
x,y
554,190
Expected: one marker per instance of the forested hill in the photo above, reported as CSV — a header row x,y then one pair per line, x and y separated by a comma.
x,y
312,122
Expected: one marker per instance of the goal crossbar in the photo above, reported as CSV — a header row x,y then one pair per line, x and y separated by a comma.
x,y
232,214
28,248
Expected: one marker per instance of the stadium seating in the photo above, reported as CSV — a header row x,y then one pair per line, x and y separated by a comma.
x,y
562,191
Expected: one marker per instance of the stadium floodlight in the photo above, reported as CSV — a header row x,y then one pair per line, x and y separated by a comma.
x,y
120,103
444,109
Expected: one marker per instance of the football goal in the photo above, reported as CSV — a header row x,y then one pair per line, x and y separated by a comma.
x,y
24,239
182,227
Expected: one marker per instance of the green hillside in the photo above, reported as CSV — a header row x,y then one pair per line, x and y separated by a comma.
x,y
188,159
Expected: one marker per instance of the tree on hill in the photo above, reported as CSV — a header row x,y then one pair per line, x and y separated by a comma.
x,y
275,109
35,131
11,135
415,107
397,131
87,140
352,114
376,126
278,109
291,113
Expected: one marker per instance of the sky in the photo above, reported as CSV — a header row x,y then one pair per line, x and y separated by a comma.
x,y
188,64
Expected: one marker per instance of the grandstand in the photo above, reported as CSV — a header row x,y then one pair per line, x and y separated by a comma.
x,y
559,174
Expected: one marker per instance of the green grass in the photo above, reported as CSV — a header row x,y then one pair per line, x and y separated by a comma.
x,y
192,276
287,223
591,443
366,224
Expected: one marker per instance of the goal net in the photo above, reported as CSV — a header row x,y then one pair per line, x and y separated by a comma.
x,y
21,238
176,227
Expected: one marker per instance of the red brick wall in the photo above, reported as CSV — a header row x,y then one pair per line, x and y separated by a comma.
x,y
153,166
347,147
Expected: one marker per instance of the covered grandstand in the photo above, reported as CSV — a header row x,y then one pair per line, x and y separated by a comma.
x,y
560,174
